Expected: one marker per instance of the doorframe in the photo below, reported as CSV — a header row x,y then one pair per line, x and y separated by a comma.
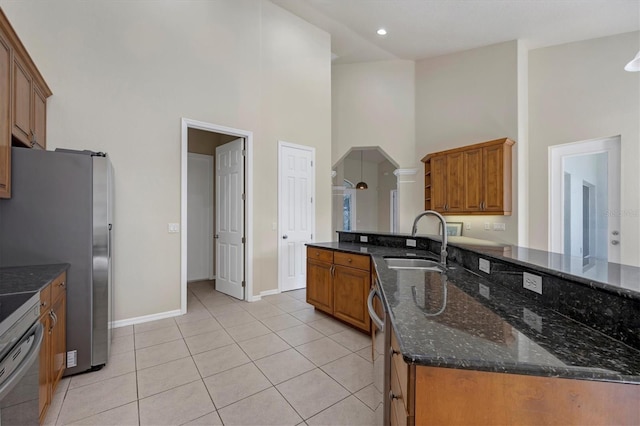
x,y
187,124
311,149
611,145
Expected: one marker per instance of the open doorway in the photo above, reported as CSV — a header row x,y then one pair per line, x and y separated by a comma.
x,y
584,190
215,205
371,209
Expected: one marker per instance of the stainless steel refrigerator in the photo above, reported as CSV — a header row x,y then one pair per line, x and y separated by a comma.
x,y
61,211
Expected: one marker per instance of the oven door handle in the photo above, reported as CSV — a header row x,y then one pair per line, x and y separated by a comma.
x,y
372,312
7,385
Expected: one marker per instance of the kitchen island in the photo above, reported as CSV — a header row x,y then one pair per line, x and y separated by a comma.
x,y
461,339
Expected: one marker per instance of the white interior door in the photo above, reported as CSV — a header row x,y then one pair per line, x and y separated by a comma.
x,y
296,194
230,218
199,217
566,193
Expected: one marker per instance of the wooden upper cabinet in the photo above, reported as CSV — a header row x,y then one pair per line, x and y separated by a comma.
x,y
5,117
23,101
474,179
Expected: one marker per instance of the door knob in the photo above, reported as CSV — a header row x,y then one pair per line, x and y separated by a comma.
x,y
615,242
216,236
615,233
284,237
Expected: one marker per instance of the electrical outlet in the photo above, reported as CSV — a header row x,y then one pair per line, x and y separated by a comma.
x,y
484,291
411,243
532,319
467,226
364,239
173,228
485,266
532,282
487,226
364,249
499,227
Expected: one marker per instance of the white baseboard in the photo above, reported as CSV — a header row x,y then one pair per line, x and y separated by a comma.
x,y
145,318
262,294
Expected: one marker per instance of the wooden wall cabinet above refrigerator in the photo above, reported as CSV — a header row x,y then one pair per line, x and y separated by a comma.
x,y
474,179
23,101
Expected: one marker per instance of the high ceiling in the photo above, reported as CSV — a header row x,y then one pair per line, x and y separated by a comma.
x,y
420,29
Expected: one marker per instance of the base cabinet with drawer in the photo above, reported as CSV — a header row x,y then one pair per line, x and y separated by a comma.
x,y
422,395
338,284
53,299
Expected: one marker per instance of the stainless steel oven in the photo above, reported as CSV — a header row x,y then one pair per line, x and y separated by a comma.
x,y
381,342
20,339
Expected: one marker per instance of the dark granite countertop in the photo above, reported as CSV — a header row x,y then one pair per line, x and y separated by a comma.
x,y
28,279
463,320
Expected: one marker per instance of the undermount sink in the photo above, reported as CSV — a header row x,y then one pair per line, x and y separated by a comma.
x,y
413,263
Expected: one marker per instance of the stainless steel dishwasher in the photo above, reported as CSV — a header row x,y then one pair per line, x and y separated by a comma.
x,y
381,356
20,340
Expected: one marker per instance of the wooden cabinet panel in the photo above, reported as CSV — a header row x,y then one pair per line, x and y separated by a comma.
x,y
473,179
5,117
497,189
319,286
39,118
350,290
500,399
22,103
455,183
58,341
320,254
44,396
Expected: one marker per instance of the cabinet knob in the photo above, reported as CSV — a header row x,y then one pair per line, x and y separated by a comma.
x,y
393,351
43,304
392,396
349,260
61,284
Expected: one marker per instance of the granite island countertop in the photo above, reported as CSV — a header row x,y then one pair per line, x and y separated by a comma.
x,y
30,278
463,320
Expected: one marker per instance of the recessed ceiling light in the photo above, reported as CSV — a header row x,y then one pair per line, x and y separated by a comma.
x,y
382,31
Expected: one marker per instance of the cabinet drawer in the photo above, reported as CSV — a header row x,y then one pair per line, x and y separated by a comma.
x,y
320,254
353,260
58,286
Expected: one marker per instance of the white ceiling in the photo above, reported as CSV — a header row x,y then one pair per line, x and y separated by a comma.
x,y
419,29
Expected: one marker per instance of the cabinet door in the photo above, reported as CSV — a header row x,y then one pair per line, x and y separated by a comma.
x,y
58,340
438,183
22,103
474,180
5,118
350,290
39,117
319,286
43,382
455,183
494,179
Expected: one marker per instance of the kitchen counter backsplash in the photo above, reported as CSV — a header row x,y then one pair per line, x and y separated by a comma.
x,y
607,308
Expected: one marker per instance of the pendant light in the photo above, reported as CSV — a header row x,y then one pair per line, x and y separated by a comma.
x,y
634,65
361,184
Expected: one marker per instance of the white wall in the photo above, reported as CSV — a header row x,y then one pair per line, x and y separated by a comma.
x,y
367,199
579,91
124,73
466,98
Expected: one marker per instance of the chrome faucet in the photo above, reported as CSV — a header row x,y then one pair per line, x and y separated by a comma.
x,y
443,248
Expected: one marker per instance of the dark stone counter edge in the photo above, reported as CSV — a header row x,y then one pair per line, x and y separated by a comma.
x,y
29,278
495,367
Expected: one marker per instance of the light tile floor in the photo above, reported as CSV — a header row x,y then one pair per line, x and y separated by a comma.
x,y
272,362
